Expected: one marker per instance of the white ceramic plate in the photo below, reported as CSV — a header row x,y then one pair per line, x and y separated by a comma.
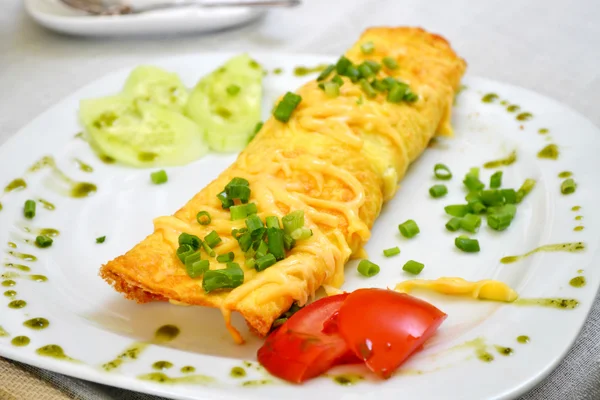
x,y
93,323
56,16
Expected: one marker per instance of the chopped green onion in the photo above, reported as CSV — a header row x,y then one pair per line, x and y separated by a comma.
x,y
510,195
288,242
331,89
470,223
409,228
367,268
492,197
159,177
203,218
342,65
208,249
258,234
228,278
100,239
352,73
413,267
265,262
389,82
262,249
250,263
251,208
500,218
410,97
286,106
496,180
472,181
240,192
254,222
325,73
396,93
232,90
367,88
525,188
29,209
192,240
225,201
454,224
301,234
198,268
183,251
477,207
457,210
379,85
245,241
568,186
272,222
236,233
442,172
242,211
276,246
293,221
438,191
375,66
338,79
258,127
43,241
390,62
225,258
466,244
367,47
391,251
365,70
212,239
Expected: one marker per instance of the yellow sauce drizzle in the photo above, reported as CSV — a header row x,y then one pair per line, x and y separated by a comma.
x,y
482,290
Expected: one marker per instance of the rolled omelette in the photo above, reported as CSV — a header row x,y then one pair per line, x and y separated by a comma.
x,y
338,159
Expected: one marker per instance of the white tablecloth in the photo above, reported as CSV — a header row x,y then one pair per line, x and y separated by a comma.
x,y
552,47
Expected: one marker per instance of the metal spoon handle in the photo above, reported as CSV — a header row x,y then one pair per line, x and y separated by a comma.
x,y
216,4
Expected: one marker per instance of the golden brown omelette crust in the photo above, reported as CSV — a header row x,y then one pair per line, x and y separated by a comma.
x,y
152,272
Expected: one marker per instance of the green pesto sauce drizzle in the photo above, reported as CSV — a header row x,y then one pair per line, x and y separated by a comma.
x,y
278,71
17,304
83,166
37,324
490,98
11,275
83,189
569,247
8,283
257,382
576,208
505,351
130,353
20,267
578,217
166,333
16,184
78,189
10,293
524,116
513,108
20,341
54,351
162,365
47,205
160,377
237,372
347,379
578,228
543,131
523,339
564,304
512,157
23,256
106,159
578,281
550,152
3,333
302,71
565,174
188,369
12,245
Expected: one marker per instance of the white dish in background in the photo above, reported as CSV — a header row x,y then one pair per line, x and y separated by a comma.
x,y
94,324
55,15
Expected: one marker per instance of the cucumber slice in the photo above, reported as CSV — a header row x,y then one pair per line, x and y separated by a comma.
x,y
139,133
157,86
226,103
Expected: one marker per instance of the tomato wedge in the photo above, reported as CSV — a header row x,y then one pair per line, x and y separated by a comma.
x,y
308,343
383,327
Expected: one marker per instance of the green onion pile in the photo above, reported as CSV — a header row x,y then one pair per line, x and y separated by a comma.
x,y
263,242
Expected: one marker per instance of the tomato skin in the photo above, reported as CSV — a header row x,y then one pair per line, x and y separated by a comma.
x,y
305,346
383,327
